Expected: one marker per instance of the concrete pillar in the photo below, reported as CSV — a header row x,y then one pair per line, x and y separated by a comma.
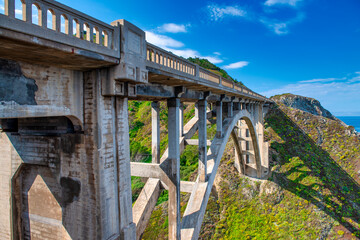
x,y
181,119
230,109
127,227
174,173
237,106
196,110
155,141
202,104
219,119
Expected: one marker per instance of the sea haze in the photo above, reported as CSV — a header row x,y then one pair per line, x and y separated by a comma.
x,y
352,121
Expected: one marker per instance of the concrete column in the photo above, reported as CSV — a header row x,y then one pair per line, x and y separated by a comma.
x,y
237,106
174,173
230,109
219,119
196,110
181,119
202,140
155,141
127,227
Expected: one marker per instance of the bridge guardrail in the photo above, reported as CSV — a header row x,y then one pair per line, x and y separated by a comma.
x,y
165,59
159,58
54,21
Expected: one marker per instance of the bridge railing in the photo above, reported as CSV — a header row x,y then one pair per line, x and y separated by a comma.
x,y
167,60
159,58
45,18
209,76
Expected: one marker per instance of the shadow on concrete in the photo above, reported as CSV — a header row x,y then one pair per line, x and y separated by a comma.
x,y
336,192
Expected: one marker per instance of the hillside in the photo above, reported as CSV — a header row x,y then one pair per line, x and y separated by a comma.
x,y
212,67
313,191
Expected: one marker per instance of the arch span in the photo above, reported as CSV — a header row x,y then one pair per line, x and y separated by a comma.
x,y
194,213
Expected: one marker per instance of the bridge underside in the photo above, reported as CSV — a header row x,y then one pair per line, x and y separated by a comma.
x,y
23,47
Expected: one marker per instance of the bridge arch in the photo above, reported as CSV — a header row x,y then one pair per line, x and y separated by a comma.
x,y
240,162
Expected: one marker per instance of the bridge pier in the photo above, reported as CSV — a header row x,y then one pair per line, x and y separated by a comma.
x,y
202,167
219,119
155,124
174,170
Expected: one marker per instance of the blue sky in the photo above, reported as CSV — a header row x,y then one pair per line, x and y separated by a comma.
x,y
306,47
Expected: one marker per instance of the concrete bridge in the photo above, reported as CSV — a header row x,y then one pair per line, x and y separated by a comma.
x,y
65,82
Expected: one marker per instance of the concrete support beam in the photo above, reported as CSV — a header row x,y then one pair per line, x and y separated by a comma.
x,y
196,142
186,186
155,141
145,204
174,173
148,170
202,105
219,127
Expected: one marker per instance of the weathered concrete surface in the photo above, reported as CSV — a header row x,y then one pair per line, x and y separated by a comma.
x,y
85,177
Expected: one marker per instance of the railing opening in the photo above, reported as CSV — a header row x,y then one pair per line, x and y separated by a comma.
x,y
105,36
51,19
76,28
20,10
2,7
86,35
64,21
36,14
96,35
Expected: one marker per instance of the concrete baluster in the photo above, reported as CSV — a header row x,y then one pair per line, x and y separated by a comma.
x,y
28,11
43,16
10,8
91,33
57,21
70,26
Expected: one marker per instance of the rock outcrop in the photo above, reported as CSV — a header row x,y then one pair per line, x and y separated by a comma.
x,y
305,104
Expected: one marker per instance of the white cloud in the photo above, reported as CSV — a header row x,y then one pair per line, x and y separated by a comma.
x,y
339,94
173,28
18,11
186,53
283,2
236,65
217,12
323,80
217,53
162,40
282,28
174,46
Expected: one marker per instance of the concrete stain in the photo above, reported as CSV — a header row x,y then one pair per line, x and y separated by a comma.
x,y
14,86
70,189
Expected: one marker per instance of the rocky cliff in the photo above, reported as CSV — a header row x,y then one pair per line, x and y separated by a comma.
x,y
305,104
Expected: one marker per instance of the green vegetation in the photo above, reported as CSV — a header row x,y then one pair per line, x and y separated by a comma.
x,y
313,191
212,67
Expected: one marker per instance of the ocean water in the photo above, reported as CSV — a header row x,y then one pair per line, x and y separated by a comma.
x,y
352,121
